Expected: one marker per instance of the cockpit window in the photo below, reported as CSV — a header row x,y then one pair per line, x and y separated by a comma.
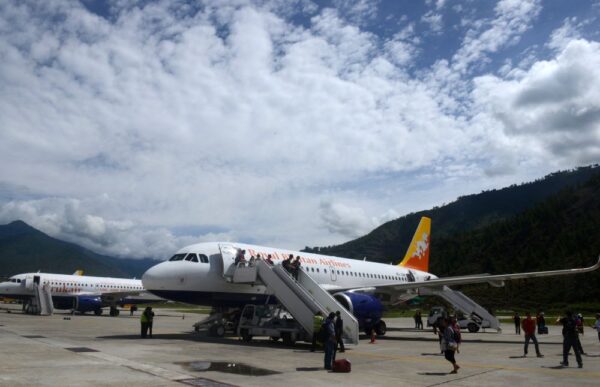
x,y
203,258
177,257
192,257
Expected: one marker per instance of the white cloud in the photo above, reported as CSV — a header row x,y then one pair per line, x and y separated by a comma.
x,y
562,36
552,108
434,20
513,18
232,117
350,221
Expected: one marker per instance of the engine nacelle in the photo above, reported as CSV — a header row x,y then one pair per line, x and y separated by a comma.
x,y
365,307
88,303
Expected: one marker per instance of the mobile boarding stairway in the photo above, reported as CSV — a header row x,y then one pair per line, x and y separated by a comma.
x,y
41,303
302,299
463,303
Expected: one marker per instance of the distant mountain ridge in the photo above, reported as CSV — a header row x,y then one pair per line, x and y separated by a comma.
x,y
26,249
552,223
388,242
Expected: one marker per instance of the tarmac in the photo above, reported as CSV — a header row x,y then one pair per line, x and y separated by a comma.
x,y
87,350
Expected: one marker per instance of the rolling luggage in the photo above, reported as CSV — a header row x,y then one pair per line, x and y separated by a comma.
x,y
542,330
341,365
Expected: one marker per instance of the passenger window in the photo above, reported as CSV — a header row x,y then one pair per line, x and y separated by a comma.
x,y
317,269
203,258
324,270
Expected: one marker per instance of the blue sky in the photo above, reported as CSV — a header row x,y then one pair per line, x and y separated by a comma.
x,y
135,128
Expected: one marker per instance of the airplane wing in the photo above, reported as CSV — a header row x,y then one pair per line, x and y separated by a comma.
x,y
494,280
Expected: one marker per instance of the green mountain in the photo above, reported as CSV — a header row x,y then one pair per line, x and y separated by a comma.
x,y
551,223
388,242
25,249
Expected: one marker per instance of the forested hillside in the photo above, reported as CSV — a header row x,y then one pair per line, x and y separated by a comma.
x,y
561,232
551,223
25,249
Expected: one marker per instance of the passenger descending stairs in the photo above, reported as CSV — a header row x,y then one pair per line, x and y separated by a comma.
x,y
43,299
463,303
301,299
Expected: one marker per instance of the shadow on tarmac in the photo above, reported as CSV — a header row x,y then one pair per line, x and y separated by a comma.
x,y
433,373
435,339
227,340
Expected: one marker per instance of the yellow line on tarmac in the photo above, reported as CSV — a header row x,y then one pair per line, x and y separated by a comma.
x,y
558,372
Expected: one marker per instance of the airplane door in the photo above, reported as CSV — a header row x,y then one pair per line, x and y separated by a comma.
x,y
36,279
333,273
228,253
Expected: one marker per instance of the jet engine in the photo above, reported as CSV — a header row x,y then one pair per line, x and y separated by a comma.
x,y
366,308
81,304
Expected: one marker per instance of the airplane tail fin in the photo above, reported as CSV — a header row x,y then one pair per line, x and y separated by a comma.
x,y
78,272
417,255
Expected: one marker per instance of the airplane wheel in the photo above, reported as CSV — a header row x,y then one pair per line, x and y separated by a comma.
x,y
380,328
98,312
219,330
246,336
288,339
472,327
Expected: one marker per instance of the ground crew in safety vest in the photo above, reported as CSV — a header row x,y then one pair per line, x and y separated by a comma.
x,y
317,324
145,321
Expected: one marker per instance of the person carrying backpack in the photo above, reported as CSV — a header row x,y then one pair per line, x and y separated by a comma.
x,y
330,343
570,339
457,334
449,345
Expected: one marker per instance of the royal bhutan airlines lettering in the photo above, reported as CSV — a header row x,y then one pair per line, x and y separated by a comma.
x,y
278,256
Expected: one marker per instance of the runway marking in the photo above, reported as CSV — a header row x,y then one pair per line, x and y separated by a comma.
x,y
566,372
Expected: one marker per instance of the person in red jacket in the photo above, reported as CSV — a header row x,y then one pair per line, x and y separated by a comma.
x,y
529,329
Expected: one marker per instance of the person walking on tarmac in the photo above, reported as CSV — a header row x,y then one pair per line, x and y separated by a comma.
x,y
529,329
449,344
330,344
317,324
597,325
570,339
517,321
339,330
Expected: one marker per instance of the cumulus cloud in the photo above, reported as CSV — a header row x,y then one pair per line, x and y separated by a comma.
x,y
273,121
68,219
512,18
554,105
350,221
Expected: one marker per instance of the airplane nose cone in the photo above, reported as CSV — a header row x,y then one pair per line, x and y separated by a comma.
x,y
152,277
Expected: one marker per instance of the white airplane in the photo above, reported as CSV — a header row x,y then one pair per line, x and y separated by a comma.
x,y
195,275
78,292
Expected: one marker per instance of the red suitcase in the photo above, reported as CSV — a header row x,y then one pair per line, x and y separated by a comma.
x,y
341,365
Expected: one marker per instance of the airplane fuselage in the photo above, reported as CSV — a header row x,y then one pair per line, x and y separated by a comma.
x,y
201,280
66,289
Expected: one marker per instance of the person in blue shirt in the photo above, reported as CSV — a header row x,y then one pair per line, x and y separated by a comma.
x,y
330,342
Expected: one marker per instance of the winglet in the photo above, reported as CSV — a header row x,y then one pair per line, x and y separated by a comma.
x,y
417,255
78,272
